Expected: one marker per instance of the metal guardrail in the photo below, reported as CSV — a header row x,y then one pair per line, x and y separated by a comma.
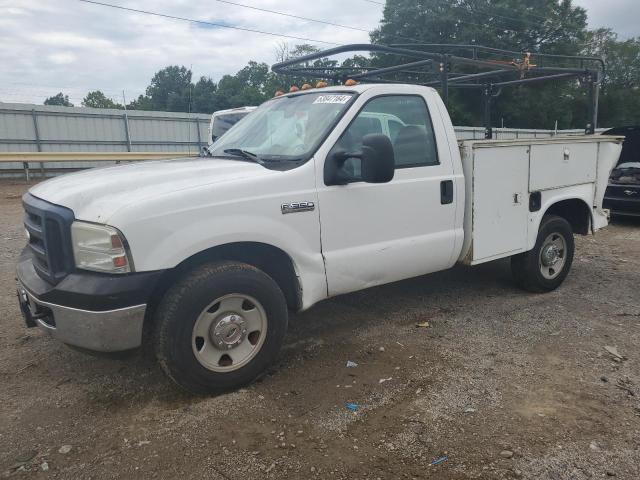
x,y
45,157
88,156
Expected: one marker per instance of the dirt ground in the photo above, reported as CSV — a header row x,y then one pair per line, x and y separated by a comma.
x,y
503,383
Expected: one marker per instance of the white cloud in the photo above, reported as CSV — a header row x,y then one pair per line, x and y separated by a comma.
x,y
75,47
620,15
62,58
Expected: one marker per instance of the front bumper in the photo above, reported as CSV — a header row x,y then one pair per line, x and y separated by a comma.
x,y
108,331
99,312
623,199
623,206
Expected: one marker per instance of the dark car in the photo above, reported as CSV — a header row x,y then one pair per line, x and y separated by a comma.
x,y
623,193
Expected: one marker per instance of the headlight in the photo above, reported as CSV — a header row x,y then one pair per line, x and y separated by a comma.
x,y
99,248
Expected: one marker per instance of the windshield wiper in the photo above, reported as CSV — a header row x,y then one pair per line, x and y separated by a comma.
x,y
238,152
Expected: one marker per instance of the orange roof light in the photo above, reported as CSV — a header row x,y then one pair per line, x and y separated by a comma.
x,y
350,83
293,88
321,84
306,86
278,93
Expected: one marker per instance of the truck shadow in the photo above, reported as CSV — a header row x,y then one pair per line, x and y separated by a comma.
x,y
413,295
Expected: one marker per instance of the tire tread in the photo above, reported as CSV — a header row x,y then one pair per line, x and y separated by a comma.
x,y
525,268
168,312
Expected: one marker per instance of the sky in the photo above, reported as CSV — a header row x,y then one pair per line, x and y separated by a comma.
x,y
48,46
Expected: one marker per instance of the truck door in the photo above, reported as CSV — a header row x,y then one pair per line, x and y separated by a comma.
x,y
378,233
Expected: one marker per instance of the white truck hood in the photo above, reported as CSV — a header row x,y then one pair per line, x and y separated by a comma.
x,y
96,194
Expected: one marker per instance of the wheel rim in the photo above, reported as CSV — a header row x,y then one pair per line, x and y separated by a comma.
x,y
229,332
553,256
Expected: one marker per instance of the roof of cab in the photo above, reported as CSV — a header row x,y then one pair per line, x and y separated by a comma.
x,y
234,110
360,88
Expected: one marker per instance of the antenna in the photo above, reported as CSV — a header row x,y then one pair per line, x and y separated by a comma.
x,y
126,122
189,114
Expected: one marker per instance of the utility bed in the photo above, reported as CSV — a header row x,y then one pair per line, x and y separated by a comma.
x,y
508,183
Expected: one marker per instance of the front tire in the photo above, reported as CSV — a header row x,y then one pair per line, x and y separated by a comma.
x,y
545,267
219,327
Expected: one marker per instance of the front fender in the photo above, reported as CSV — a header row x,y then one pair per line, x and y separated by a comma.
x,y
193,239
167,230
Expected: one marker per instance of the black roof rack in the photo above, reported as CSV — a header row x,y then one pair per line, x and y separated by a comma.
x,y
435,65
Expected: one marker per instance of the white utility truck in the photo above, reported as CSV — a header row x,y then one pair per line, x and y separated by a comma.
x,y
305,199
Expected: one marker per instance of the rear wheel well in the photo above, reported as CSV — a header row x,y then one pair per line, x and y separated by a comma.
x,y
574,211
271,260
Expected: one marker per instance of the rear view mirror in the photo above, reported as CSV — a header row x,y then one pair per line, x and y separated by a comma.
x,y
376,157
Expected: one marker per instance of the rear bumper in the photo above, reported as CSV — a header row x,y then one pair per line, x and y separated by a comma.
x,y
99,312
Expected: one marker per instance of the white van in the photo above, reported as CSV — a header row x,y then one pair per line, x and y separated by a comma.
x,y
223,120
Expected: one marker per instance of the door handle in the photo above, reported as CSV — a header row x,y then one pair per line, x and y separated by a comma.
x,y
446,192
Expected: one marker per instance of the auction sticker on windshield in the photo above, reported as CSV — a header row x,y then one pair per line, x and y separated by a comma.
x,y
332,99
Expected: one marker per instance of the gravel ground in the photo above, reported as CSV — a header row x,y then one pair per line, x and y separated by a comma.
x,y
503,383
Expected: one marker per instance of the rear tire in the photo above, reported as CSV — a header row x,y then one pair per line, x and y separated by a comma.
x,y
545,267
219,327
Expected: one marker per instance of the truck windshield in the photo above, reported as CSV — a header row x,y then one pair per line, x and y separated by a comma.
x,y
287,128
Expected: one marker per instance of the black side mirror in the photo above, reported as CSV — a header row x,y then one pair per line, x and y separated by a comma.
x,y
376,157
378,161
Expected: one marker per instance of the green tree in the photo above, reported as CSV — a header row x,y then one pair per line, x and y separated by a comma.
x,y
170,89
203,97
552,26
141,103
97,99
620,96
537,26
60,99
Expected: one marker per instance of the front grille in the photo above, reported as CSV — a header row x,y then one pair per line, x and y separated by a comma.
x,y
49,228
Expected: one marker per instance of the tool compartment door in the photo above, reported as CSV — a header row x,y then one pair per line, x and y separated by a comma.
x,y
500,201
558,165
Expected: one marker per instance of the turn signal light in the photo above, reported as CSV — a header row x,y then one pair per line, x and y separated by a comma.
x,y
120,262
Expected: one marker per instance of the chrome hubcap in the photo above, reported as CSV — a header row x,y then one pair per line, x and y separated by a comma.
x,y
229,332
552,256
